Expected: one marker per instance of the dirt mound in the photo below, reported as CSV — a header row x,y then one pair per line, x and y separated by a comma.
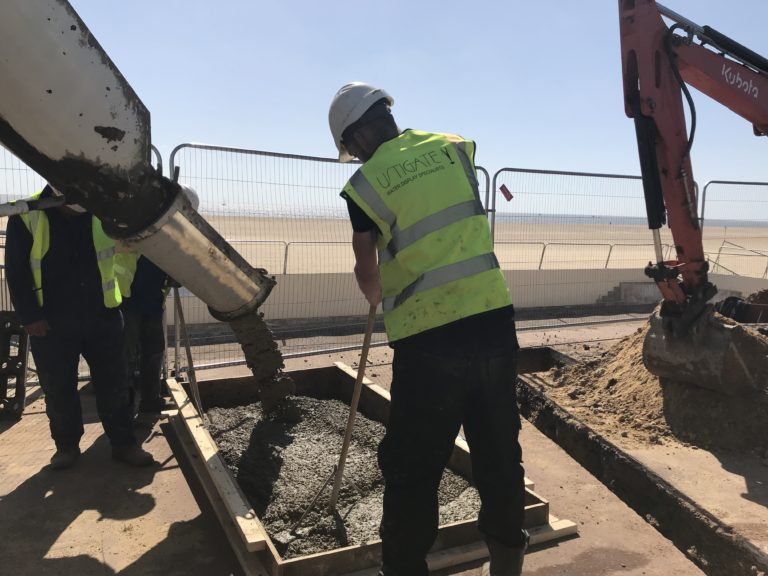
x,y
616,396
760,297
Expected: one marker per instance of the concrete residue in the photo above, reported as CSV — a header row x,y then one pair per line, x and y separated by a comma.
x,y
110,133
280,466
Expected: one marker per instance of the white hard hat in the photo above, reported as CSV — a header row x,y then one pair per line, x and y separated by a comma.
x,y
349,104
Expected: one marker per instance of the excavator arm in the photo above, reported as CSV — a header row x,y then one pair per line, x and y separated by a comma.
x,y
658,62
686,342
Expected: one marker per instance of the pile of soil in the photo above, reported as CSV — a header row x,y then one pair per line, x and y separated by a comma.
x,y
280,467
760,297
617,397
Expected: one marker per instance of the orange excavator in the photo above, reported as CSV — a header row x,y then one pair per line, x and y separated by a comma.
x,y
689,339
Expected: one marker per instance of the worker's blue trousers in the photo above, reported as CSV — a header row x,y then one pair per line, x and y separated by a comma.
x,y
99,338
432,396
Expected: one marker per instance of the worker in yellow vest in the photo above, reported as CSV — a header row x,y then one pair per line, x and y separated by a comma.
x,y
423,250
60,273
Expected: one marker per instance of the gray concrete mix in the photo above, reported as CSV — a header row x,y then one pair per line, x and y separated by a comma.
x,y
281,466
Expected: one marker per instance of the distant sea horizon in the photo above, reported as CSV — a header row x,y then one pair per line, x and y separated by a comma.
x,y
324,212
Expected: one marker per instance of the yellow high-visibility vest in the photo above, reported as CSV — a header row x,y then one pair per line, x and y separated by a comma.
x,y
36,222
125,270
436,260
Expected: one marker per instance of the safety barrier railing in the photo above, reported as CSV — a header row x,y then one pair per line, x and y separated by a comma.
x,y
582,234
509,255
735,217
734,201
283,213
741,260
17,180
578,234
564,199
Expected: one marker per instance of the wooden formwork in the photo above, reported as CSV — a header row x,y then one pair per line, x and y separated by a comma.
x,y
456,543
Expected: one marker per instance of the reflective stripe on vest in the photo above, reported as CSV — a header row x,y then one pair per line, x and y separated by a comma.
x,y
403,238
125,270
36,222
40,243
105,258
440,276
436,259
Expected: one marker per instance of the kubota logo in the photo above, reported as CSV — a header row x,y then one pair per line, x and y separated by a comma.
x,y
735,79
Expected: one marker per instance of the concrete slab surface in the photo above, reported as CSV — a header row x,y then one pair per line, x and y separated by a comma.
x,y
101,517
732,487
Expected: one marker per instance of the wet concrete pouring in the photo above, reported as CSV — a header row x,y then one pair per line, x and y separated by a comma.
x,y
281,465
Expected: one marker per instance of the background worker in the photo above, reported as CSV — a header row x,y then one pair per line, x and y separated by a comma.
x,y
423,249
143,287
60,271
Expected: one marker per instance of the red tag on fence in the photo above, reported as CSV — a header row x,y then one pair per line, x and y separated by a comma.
x,y
505,191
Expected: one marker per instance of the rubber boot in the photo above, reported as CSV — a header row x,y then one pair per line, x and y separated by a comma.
x,y
132,455
505,561
65,457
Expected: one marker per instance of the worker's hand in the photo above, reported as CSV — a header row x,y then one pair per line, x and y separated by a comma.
x,y
39,328
372,294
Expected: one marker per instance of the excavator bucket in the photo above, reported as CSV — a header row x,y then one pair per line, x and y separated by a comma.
x,y
715,352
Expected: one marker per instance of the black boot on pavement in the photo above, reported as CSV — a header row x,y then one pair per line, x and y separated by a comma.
x,y
64,458
132,455
505,561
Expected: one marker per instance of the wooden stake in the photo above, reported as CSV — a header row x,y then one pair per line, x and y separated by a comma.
x,y
353,409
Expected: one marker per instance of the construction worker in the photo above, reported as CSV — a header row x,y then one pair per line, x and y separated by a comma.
x,y
423,250
143,287
60,272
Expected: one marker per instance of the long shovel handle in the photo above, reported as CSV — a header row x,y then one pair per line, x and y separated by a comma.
x,y
353,408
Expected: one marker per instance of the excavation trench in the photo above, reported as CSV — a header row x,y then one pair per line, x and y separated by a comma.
x,y
599,409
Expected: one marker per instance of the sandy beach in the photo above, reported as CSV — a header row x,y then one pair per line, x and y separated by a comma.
x,y
308,245
314,245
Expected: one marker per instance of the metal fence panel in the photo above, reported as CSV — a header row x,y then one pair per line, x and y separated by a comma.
x,y
564,239
566,223
283,213
735,216
17,180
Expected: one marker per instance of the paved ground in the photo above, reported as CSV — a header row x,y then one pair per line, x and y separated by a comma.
x,y
104,518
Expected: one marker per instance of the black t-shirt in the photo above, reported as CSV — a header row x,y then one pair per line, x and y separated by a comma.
x,y
361,222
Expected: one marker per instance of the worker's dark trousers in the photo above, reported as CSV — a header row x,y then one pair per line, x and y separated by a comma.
x,y
99,338
143,352
432,396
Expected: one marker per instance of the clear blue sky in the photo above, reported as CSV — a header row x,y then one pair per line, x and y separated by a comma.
x,y
537,84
